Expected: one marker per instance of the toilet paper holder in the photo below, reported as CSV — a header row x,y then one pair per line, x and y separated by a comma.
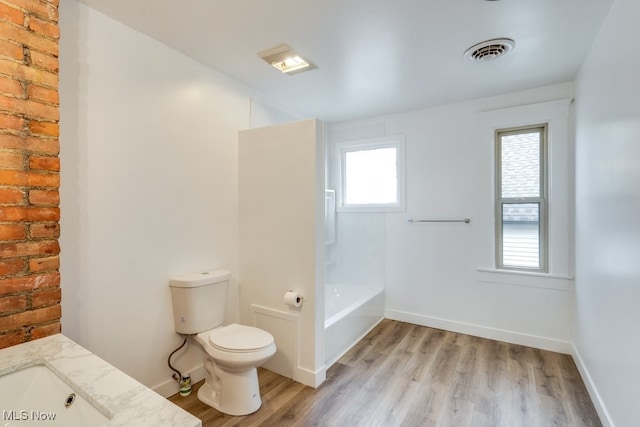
x,y
293,299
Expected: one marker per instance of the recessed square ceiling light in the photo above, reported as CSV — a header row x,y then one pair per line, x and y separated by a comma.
x,y
286,60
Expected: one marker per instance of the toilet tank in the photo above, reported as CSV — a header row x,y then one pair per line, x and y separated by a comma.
x,y
199,300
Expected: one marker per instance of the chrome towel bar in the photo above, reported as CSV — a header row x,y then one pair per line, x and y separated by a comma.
x,y
466,220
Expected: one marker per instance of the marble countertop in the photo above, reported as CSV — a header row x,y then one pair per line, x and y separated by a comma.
x,y
118,396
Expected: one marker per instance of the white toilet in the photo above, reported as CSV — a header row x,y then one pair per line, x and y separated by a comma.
x,y
232,352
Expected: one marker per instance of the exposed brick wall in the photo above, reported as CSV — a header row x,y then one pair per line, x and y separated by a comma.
x,y
29,171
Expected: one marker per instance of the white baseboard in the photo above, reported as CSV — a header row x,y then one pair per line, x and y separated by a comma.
x,y
591,388
512,337
170,387
308,377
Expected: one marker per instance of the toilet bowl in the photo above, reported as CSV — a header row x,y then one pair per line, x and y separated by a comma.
x,y
233,353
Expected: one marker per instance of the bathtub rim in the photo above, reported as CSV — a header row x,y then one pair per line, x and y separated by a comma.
x,y
370,307
342,313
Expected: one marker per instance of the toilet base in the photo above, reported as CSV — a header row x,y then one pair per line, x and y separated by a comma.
x,y
230,392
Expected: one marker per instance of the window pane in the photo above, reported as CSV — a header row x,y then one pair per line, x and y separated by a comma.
x,y
521,235
520,165
371,176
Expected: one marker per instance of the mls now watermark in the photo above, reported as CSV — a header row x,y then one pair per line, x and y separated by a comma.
x,y
27,415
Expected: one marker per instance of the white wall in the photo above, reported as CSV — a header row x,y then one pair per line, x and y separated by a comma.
x,y
281,192
149,188
441,274
607,339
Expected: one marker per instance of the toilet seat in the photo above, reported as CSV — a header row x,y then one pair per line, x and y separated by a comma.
x,y
236,338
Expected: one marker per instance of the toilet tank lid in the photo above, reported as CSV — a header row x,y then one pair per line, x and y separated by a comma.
x,y
202,278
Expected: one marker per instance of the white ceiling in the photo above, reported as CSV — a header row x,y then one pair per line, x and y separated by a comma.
x,y
373,56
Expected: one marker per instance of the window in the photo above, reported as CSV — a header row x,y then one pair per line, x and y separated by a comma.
x,y
371,175
521,198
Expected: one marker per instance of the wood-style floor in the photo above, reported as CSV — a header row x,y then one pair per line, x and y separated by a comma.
x,y
407,375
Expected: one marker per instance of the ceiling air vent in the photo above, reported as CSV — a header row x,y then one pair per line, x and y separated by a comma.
x,y
489,50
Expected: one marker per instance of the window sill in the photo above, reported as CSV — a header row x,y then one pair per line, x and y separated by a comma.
x,y
371,208
526,279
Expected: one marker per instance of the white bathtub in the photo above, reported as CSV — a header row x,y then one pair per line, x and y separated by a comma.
x,y
351,311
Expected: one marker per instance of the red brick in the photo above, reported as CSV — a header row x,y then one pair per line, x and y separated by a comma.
x,y
44,163
28,38
12,266
10,86
12,338
44,128
46,10
29,179
50,129
40,26
39,93
11,14
29,213
30,108
45,61
11,196
46,330
9,160
44,197
12,286
22,249
14,304
29,317
11,50
26,73
46,297
38,265
13,231
12,122
29,283
44,230
30,144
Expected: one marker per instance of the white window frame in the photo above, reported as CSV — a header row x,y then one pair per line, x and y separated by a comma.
x,y
392,141
541,200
